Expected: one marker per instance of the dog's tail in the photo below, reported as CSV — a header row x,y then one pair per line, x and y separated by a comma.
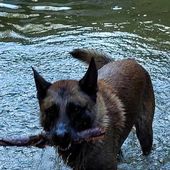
x,y
86,55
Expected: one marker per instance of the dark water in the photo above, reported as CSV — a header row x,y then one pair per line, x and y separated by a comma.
x,y
41,33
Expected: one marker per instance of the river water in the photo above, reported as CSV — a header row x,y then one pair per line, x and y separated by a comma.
x,y
41,33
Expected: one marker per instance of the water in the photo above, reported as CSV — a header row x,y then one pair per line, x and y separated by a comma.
x,y
40,33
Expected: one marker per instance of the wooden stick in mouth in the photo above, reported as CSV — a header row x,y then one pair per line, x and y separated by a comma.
x,y
43,139
92,134
39,141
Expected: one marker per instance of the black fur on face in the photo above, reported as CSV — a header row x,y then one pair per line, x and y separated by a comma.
x,y
79,116
67,113
51,115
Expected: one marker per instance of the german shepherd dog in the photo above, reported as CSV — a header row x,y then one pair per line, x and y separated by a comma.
x,y
114,95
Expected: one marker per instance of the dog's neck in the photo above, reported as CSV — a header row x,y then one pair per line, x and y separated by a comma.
x,y
81,156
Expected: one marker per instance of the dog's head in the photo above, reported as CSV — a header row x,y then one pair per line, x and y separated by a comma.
x,y
67,106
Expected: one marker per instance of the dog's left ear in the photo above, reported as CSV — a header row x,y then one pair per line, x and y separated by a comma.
x,y
41,85
88,83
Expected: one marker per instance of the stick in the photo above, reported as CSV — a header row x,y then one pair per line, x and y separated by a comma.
x,y
89,135
44,139
39,141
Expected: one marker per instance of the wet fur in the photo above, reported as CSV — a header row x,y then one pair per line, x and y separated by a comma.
x,y
123,97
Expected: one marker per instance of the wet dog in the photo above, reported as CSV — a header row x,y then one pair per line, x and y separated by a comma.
x,y
114,95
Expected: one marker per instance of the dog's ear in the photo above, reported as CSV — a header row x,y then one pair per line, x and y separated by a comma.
x,y
41,85
88,83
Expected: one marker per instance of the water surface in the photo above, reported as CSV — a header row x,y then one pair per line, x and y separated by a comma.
x,y
41,33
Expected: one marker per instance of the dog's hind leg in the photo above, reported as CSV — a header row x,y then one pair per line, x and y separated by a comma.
x,y
143,124
144,133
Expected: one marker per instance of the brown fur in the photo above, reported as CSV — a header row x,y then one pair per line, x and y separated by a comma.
x,y
122,97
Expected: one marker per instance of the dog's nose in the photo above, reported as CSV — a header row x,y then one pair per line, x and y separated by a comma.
x,y
61,130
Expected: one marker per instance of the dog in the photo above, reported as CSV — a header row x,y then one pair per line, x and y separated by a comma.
x,y
114,95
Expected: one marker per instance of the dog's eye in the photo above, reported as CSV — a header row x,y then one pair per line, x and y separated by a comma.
x,y
74,108
52,111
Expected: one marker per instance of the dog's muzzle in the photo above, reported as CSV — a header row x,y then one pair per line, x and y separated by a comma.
x,y
61,136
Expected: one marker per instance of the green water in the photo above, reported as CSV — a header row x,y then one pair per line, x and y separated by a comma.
x,y
42,33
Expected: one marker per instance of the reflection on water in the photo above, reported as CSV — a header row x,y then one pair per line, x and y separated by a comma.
x,y
40,33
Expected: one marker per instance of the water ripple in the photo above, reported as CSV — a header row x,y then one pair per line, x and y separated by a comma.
x,y
10,6
49,8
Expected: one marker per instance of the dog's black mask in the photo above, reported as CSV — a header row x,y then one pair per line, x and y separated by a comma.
x,y
67,106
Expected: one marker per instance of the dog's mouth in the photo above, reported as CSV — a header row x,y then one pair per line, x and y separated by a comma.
x,y
65,143
61,148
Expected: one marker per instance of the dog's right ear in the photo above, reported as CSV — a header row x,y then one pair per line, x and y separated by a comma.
x,y
41,85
